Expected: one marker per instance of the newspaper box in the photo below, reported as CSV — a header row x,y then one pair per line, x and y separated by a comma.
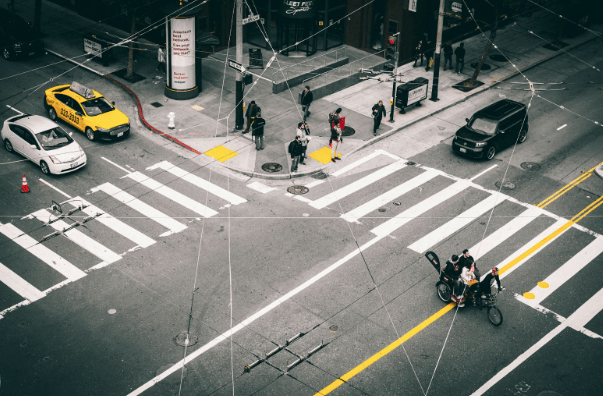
x,y
413,92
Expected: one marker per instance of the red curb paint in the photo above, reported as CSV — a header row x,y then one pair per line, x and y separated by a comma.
x,y
146,124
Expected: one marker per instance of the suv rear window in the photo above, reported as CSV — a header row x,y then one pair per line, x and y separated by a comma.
x,y
484,125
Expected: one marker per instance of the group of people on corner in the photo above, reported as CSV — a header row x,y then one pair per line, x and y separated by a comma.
x,y
463,270
256,123
424,49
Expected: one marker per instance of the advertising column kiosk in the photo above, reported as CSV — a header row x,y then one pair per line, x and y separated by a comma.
x,y
180,52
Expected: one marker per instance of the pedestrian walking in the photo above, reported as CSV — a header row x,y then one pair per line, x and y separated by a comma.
x,y
161,59
459,52
333,116
378,114
418,53
448,55
303,131
295,149
257,131
250,114
428,56
335,138
306,100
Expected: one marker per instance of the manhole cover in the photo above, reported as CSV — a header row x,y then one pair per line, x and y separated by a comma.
x,y
530,166
410,163
498,58
485,66
348,131
333,328
272,167
319,175
181,339
47,358
505,186
156,104
298,190
382,210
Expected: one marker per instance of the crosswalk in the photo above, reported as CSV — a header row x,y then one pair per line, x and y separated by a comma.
x,y
102,226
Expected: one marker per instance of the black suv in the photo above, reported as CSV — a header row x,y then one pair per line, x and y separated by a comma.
x,y
17,38
491,129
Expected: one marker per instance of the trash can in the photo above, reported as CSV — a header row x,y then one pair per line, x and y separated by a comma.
x,y
413,92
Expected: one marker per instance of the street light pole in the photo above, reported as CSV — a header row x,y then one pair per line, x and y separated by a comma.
x,y
436,63
394,73
239,49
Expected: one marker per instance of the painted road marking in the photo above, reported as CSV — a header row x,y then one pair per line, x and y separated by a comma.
x,y
221,153
412,213
315,183
568,186
259,187
358,185
505,232
460,221
357,163
19,285
482,172
116,225
143,208
118,166
566,271
46,255
199,182
374,204
51,186
15,110
577,320
561,127
172,194
78,237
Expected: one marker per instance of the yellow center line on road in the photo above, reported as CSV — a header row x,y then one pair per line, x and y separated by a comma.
x,y
373,359
568,186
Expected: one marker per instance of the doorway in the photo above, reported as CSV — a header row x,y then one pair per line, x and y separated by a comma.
x,y
296,31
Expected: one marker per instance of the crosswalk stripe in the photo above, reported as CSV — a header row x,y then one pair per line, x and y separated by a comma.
x,y
374,204
505,232
259,187
46,255
116,225
457,223
354,164
78,237
530,246
568,270
19,285
143,208
396,222
357,185
199,182
172,194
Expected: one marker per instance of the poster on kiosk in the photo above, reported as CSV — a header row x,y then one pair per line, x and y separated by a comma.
x,y
181,69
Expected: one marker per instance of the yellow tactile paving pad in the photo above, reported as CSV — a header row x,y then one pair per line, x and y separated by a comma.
x,y
322,155
221,153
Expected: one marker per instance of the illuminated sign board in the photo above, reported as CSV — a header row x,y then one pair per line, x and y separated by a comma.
x,y
182,38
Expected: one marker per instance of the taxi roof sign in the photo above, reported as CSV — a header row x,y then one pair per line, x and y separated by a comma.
x,y
82,90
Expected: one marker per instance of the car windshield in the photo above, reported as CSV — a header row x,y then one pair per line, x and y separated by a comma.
x,y
54,138
484,125
97,106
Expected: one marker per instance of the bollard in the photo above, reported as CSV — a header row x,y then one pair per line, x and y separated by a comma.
x,y
171,116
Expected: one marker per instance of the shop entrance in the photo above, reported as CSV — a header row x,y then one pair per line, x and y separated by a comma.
x,y
297,31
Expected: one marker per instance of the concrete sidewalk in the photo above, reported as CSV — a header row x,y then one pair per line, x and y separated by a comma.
x,y
206,123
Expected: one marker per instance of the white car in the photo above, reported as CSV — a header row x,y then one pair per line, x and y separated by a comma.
x,y
43,142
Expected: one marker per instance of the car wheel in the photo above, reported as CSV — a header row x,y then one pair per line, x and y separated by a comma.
x,y
523,136
52,113
45,168
8,145
90,134
490,153
6,54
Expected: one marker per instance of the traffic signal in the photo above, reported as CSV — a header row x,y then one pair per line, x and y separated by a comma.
x,y
392,47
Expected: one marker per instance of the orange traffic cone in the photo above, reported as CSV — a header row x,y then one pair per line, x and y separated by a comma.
x,y
24,187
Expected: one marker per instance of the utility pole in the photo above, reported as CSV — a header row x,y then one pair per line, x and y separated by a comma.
x,y
393,41
436,63
239,90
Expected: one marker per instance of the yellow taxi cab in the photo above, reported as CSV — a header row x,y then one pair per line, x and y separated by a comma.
x,y
86,110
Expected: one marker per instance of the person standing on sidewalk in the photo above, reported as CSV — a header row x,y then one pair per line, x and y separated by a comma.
x,y
257,130
428,56
303,138
295,149
418,53
460,58
333,116
335,138
378,114
448,55
306,100
250,114
161,59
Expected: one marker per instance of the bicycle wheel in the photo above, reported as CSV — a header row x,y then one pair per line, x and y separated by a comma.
x,y
495,316
443,291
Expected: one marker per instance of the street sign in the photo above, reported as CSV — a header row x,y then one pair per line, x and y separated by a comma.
x,y
251,18
237,66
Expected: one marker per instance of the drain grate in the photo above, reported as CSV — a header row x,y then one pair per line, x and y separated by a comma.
x,y
348,131
298,190
156,104
319,175
498,58
530,166
505,186
272,167
181,339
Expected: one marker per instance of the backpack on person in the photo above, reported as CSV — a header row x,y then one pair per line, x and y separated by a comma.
x,y
333,116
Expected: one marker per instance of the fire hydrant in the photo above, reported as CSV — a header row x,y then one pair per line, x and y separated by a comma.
x,y
171,116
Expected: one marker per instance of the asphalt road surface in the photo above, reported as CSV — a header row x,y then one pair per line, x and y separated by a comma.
x,y
183,247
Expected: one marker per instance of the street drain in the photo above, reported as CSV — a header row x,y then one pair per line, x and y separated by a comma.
x,y
530,166
382,210
156,104
183,341
298,190
498,58
333,328
319,175
348,131
272,167
505,186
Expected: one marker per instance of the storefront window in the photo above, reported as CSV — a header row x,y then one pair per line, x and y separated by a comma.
x,y
337,23
378,24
